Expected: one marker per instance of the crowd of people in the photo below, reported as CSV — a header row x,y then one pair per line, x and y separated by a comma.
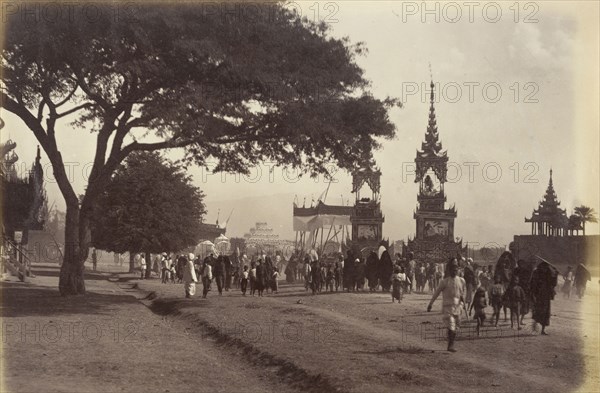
x,y
251,275
518,286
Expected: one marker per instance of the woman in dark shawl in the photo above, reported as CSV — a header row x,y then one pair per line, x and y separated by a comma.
x,y
543,281
260,277
359,273
348,272
269,269
290,270
315,272
371,271
386,269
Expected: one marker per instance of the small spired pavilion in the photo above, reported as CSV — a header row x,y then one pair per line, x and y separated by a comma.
x,y
434,240
367,218
549,219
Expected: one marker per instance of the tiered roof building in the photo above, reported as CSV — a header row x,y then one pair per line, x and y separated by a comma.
x,y
549,219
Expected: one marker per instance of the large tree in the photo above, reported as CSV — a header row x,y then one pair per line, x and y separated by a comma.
x,y
149,206
231,89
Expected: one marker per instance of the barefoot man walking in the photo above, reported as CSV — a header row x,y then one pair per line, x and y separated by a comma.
x,y
453,289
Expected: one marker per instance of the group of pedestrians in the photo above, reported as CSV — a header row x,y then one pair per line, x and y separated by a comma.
x,y
163,265
511,285
261,275
575,280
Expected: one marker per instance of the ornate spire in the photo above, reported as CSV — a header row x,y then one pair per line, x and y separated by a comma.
x,y
550,198
431,146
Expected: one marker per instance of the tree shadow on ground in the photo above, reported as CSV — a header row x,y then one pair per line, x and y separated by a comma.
x,y
25,299
47,270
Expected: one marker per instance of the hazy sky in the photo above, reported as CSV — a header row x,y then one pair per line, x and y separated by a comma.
x,y
514,100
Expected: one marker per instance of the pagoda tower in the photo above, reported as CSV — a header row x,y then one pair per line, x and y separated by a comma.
x,y
434,240
549,219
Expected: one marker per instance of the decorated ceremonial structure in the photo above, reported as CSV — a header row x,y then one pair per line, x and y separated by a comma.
x,y
367,218
326,227
434,240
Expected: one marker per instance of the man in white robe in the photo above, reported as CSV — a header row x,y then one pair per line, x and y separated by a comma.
x,y
189,277
453,290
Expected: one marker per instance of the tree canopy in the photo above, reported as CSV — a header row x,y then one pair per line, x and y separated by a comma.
x,y
229,90
149,205
237,92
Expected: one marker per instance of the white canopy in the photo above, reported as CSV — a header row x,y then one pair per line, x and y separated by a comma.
x,y
203,249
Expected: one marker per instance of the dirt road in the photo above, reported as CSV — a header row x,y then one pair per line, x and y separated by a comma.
x,y
108,341
363,342
137,335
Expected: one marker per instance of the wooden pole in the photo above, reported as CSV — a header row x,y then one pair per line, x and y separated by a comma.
x,y
329,233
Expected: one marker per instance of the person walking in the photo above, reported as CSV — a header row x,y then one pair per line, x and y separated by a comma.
x,y
470,280
165,268
252,278
453,289
479,303
543,282
582,276
275,281
261,277
307,273
516,298
219,274
568,284
228,272
207,277
189,275
143,266
244,280
94,259
496,299
412,266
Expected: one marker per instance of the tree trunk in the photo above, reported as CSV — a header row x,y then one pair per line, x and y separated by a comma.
x,y
131,262
71,281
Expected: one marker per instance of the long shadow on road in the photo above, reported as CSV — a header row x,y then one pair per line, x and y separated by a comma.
x,y
23,299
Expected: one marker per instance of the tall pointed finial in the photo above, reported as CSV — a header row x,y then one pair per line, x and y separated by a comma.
x,y
432,85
